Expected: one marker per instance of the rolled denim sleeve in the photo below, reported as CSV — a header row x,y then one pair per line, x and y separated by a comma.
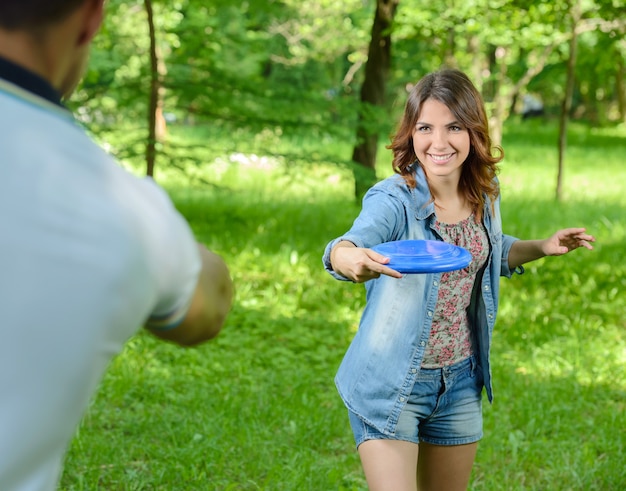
x,y
326,258
507,242
382,218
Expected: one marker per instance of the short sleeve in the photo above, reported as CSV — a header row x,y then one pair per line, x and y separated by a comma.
x,y
174,261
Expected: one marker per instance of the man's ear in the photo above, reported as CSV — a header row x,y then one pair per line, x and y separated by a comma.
x,y
93,15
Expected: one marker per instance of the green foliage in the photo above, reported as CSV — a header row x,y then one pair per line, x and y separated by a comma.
x,y
257,409
115,86
295,68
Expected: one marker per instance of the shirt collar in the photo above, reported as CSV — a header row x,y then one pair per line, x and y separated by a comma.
x,y
29,81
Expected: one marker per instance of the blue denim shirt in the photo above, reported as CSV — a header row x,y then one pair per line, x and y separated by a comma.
x,y
379,369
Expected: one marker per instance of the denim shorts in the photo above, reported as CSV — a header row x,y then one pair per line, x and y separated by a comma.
x,y
445,408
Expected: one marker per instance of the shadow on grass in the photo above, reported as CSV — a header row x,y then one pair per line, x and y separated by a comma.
x,y
254,409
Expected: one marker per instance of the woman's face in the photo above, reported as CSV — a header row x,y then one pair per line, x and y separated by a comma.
x,y
441,143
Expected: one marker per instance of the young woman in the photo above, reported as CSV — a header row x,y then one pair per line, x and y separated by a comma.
x,y
412,377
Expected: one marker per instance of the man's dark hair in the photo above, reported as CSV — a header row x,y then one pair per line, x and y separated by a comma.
x,y
33,14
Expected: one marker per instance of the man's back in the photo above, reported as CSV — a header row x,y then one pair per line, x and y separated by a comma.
x,y
87,254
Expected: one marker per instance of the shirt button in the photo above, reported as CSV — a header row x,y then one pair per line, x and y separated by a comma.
x,y
413,370
435,283
402,399
422,343
486,288
430,314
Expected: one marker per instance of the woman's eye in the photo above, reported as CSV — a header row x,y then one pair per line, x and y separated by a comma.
x,y
422,129
456,128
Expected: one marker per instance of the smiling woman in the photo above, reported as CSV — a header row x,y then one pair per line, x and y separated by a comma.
x,y
416,407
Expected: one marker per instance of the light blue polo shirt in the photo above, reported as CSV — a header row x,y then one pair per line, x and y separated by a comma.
x,y
88,254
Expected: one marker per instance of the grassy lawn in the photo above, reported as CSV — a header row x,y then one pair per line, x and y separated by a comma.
x,y
256,409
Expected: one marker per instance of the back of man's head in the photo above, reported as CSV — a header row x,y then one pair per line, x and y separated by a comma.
x,y
33,14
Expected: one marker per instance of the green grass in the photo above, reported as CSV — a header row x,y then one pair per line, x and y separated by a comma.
x,y
256,409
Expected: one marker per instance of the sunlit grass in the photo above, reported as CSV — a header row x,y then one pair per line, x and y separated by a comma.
x,y
257,408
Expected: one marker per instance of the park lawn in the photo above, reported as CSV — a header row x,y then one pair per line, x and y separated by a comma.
x,y
256,409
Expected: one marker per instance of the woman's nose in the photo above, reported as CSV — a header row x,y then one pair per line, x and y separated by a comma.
x,y
439,139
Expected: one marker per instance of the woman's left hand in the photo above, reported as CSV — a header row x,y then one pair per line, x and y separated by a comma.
x,y
567,240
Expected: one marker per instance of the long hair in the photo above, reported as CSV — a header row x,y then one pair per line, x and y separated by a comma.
x,y
34,14
454,89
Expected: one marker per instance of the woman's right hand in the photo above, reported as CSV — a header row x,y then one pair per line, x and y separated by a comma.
x,y
359,264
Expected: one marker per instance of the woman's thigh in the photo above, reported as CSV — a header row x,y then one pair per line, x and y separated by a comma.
x,y
389,465
445,468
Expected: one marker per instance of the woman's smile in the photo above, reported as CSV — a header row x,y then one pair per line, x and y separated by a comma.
x,y
441,159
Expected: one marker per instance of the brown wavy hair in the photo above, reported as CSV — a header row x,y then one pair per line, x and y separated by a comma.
x,y
454,89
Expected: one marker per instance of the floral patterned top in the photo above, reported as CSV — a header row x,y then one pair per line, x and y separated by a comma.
x,y
450,338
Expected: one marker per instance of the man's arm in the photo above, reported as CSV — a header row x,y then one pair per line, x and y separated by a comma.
x,y
209,306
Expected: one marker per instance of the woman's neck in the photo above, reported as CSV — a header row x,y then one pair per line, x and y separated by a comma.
x,y
451,206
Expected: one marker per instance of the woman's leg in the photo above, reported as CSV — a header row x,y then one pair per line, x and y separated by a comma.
x,y
445,468
389,465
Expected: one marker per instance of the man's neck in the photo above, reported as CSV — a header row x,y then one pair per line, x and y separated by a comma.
x,y
26,50
21,76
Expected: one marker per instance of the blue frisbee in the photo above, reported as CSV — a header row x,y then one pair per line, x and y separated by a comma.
x,y
424,256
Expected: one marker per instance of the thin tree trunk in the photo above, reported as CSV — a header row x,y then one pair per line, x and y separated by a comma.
x,y
478,61
567,101
504,101
621,91
153,106
450,54
498,114
373,92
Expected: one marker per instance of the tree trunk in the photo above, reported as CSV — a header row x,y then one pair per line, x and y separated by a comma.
x,y
153,105
450,53
489,85
503,101
567,101
478,65
498,114
621,91
373,93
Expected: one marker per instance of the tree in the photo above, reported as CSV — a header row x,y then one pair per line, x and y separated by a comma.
x,y
373,95
620,85
323,71
575,16
155,105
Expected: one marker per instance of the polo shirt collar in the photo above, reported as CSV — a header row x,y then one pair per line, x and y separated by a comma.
x,y
27,80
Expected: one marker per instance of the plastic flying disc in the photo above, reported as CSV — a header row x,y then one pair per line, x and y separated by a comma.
x,y
424,256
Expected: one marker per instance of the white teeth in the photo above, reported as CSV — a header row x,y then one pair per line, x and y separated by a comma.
x,y
440,158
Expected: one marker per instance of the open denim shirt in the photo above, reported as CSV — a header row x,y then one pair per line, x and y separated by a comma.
x,y
379,369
